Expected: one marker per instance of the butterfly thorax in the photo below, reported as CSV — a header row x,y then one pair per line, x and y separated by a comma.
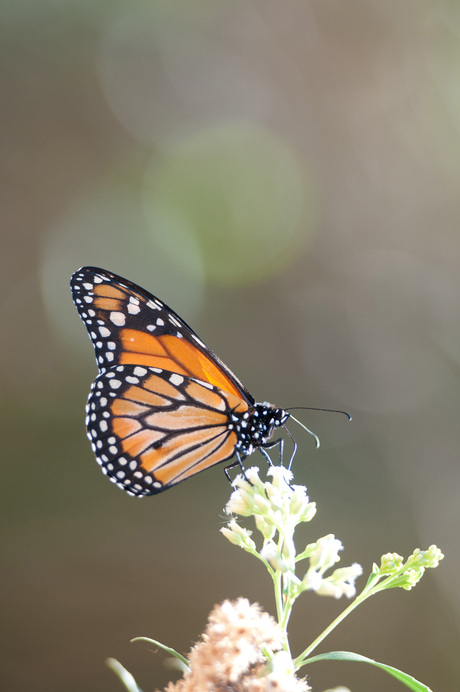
x,y
255,426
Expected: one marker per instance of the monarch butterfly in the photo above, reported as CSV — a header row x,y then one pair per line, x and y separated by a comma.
x,y
163,406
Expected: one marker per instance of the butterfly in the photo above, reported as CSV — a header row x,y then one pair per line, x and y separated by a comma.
x,y
164,406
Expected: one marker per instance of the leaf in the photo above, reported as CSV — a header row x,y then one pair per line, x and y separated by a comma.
x,y
123,675
406,679
171,651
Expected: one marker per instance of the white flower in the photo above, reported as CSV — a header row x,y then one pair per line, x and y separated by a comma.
x,y
326,553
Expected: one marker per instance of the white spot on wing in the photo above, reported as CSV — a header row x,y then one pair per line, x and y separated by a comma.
x,y
118,318
208,385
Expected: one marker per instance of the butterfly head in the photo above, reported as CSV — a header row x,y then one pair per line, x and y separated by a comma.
x,y
255,427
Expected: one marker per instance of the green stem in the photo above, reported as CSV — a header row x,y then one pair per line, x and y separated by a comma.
x,y
278,595
300,660
280,608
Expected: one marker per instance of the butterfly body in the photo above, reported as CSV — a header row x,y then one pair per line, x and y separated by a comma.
x,y
164,406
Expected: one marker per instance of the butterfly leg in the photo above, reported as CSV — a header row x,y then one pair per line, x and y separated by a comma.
x,y
266,455
238,462
271,445
295,447
280,442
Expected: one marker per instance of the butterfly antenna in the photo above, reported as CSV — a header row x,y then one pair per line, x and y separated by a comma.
x,y
310,432
312,408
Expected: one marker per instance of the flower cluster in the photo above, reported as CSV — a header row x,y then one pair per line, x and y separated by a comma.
x,y
240,650
278,508
395,572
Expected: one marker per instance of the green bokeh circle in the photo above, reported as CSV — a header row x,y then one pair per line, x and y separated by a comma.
x,y
231,203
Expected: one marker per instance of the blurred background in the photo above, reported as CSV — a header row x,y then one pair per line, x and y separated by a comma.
x,y
286,177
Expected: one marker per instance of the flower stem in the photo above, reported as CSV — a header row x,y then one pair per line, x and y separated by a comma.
x,y
301,659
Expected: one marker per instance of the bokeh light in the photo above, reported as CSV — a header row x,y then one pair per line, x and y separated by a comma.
x,y
233,204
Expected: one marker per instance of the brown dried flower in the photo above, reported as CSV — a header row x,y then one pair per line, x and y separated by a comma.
x,y
240,651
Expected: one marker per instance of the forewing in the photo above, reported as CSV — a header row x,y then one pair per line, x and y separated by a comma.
x,y
129,326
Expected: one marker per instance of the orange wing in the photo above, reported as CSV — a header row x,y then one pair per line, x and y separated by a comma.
x,y
151,430
129,326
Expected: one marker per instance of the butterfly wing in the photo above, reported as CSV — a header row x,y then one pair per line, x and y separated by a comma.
x,y
129,326
151,429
